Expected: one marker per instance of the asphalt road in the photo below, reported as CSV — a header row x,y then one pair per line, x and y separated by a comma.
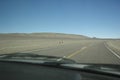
x,y
95,52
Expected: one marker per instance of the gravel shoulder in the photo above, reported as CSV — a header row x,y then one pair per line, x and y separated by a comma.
x,y
114,45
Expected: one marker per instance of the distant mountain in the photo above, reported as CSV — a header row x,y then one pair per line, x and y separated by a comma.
x,y
41,36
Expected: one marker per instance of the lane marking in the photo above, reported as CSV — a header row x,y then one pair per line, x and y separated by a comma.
x,y
76,52
2,49
40,49
27,51
114,53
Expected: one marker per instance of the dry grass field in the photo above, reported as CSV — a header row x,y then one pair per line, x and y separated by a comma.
x,y
11,46
11,43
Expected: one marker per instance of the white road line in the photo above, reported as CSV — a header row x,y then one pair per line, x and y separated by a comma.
x,y
112,51
35,50
2,49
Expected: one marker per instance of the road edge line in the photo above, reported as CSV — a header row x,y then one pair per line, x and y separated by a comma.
x,y
114,53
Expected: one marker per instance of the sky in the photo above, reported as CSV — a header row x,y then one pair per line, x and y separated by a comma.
x,y
93,18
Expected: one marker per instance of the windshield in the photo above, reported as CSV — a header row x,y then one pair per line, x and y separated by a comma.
x,y
86,31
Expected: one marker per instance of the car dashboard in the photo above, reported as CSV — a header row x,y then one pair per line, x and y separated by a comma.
x,y
26,71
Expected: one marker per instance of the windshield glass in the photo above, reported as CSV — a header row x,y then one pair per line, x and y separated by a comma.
x,y
86,31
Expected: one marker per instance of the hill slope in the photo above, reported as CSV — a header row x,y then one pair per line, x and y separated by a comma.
x,y
41,36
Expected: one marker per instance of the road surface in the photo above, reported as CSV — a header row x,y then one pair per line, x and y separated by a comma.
x,y
95,52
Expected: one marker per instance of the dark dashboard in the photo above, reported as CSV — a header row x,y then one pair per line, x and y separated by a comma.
x,y
26,71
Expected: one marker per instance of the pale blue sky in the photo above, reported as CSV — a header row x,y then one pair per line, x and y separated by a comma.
x,y
99,18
